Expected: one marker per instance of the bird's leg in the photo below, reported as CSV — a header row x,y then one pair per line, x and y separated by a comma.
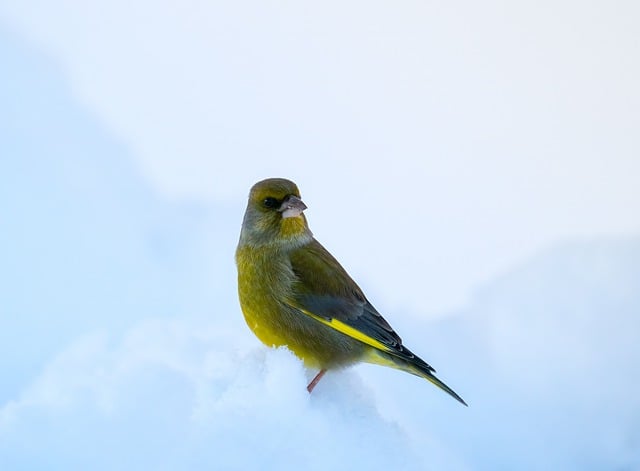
x,y
316,380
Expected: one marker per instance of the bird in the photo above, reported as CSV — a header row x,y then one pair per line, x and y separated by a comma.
x,y
294,293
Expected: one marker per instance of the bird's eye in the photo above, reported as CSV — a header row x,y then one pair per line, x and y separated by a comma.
x,y
270,202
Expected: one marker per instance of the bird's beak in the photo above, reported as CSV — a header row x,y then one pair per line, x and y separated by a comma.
x,y
291,207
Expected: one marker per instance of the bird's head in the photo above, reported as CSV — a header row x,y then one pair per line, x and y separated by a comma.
x,y
274,214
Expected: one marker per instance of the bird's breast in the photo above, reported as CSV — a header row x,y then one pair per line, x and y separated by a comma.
x,y
266,285
264,281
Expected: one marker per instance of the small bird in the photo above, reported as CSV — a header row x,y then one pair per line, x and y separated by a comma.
x,y
293,292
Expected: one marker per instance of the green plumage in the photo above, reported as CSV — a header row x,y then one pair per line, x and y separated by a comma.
x,y
294,293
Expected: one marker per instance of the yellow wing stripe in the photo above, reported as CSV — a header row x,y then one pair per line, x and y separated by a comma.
x,y
348,330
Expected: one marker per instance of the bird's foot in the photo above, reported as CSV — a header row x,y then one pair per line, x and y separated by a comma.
x,y
316,380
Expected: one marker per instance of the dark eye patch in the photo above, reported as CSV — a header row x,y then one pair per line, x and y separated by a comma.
x,y
270,203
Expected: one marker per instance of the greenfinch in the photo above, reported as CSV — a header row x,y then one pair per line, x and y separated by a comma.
x,y
294,293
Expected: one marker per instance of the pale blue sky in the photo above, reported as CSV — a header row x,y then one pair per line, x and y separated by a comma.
x,y
511,122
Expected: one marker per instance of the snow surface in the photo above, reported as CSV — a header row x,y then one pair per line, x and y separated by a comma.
x,y
169,395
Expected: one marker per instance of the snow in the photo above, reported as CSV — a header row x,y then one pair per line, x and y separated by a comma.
x,y
173,396
546,359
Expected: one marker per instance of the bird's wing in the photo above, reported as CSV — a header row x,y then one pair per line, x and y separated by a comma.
x,y
324,291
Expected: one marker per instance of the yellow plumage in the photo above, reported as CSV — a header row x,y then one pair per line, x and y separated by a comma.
x,y
293,292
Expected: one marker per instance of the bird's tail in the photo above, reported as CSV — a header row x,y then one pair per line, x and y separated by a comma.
x,y
415,366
